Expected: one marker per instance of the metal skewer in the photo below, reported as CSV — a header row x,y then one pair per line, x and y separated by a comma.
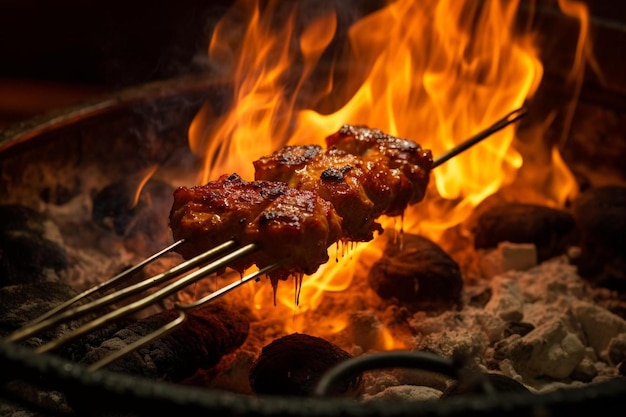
x,y
182,315
512,117
61,313
213,260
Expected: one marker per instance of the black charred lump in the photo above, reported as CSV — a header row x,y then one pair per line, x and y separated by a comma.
x,y
518,328
551,230
115,208
29,246
292,366
600,214
416,273
208,333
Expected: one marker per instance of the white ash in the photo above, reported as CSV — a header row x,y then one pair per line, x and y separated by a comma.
x,y
366,331
508,256
405,393
573,339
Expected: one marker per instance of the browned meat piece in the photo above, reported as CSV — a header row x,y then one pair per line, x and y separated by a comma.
x,y
290,226
336,176
364,174
405,160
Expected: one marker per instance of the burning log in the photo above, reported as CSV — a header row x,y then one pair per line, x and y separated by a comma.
x,y
200,342
293,364
418,274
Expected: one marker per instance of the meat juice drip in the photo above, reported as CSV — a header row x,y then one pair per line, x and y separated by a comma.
x,y
398,232
344,248
298,280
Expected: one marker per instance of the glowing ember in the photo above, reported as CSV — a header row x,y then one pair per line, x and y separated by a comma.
x,y
435,71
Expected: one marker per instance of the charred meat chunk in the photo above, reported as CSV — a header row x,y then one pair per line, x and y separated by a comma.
x,y
290,226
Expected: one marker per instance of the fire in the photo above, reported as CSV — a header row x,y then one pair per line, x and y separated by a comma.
x,y
434,71
142,182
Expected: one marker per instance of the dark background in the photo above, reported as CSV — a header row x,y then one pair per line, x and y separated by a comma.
x,y
55,53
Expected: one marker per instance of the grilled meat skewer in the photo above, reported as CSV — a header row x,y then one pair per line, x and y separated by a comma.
x,y
303,200
364,173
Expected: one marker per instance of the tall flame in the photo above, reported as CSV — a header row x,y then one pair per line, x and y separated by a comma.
x,y
434,71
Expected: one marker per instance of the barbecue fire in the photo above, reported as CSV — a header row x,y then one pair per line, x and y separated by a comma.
x,y
490,256
434,71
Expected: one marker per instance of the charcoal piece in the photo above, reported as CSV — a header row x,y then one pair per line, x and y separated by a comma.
x,y
116,207
472,385
27,248
22,303
551,230
600,214
292,366
480,299
16,217
26,257
518,328
417,274
207,334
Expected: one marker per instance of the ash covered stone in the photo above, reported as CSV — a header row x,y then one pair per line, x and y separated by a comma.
x,y
551,350
405,393
508,256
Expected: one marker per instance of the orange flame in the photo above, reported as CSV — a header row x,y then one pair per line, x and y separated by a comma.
x,y
435,71
143,180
